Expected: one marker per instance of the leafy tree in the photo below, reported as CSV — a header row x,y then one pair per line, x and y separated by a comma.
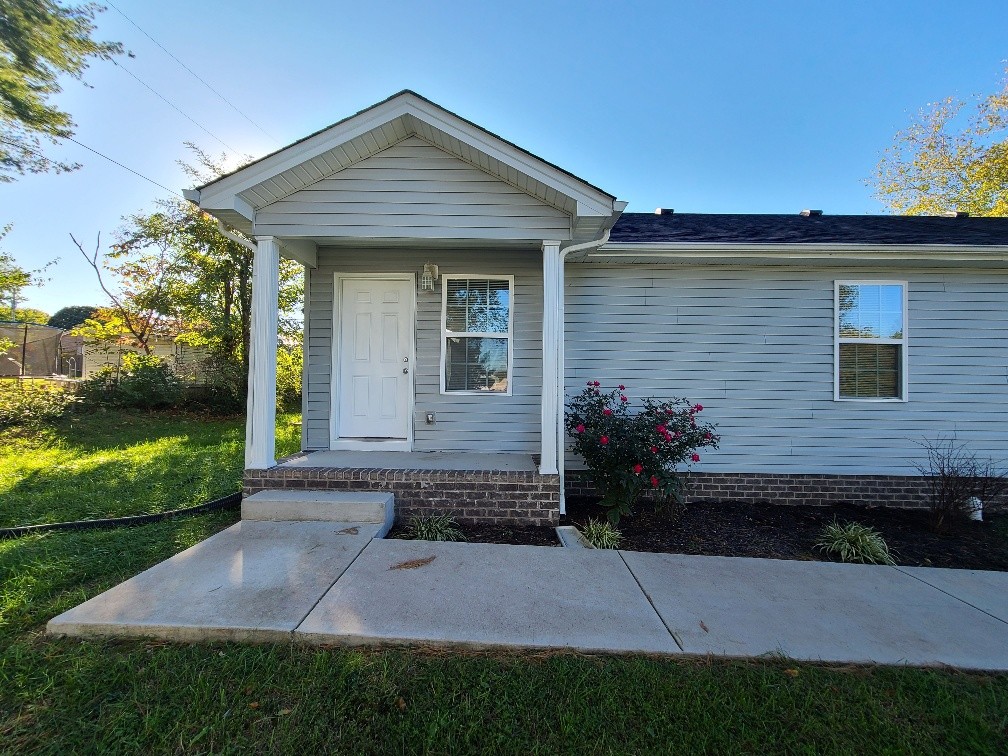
x,y
954,156
40,42
13,281
24,315
73,315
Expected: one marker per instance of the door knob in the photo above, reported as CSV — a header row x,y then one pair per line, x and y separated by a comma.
x,y
405,370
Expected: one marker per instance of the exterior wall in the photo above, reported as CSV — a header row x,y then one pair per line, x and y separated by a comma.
x,y
755,347
464,423
467,495
417,191
186,360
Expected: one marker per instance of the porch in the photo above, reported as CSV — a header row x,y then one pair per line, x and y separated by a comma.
x,y
470,486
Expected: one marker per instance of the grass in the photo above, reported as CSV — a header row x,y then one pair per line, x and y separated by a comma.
x,y
67,696
115,463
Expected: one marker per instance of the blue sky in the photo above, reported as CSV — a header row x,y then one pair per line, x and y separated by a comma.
x,y
703,107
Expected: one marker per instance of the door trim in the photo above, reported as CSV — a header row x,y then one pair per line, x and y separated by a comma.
x,y
335,442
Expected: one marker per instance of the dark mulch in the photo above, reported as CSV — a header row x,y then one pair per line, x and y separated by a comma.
x,y
530,535
733,528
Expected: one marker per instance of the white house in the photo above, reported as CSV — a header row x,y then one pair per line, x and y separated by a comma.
x,y
458,286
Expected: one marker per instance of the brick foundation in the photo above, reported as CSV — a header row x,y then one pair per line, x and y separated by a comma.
x,y
814,489
468,495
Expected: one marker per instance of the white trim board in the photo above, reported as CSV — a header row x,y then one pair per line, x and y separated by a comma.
x,y
335,442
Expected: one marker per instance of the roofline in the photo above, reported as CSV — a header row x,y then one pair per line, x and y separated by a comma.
x,y
803,251
400,93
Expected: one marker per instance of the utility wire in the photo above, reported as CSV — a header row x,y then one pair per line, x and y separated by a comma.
x,y
196,75
96,152
176,107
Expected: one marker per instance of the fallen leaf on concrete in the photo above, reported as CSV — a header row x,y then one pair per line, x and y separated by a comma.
x,y
703,627
791,672
348,531
412,564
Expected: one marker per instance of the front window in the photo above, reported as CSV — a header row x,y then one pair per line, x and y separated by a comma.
x,y
476,334
870,340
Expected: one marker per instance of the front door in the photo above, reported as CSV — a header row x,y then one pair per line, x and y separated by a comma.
x,y
375,358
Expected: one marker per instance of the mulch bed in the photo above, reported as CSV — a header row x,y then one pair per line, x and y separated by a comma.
x,y
530,535
733,528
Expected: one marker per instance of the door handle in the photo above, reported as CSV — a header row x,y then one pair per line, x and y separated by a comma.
x,y
405,370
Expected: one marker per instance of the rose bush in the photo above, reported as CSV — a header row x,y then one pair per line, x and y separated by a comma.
x,y
629,451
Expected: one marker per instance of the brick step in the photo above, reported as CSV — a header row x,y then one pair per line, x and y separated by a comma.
x,y
324,506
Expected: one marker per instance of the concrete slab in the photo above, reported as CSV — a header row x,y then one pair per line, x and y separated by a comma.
x,y
393,460
254,581
322,506
983,589
815,611
486,595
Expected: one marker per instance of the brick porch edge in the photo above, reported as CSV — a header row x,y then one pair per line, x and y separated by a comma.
x,y
468,495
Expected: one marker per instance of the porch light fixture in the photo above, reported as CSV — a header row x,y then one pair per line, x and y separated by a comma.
x,y
430,274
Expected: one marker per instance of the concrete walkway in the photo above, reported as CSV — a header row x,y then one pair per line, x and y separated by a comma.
x,y
332,583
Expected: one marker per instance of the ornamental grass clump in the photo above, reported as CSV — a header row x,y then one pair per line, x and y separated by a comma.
x,y
854,542
629,451
434,528
601,535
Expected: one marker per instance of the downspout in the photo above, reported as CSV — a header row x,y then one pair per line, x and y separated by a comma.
x,y
561,378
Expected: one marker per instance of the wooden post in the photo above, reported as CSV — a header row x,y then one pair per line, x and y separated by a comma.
x,y
260,425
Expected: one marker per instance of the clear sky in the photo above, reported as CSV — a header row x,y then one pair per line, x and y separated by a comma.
x,y
700,106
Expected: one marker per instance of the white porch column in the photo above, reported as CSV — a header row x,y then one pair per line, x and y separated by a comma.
x,y
550,338
260,427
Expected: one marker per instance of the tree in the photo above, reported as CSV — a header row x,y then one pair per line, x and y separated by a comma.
x,y
13,281
24,315
73,315
41,41
954,156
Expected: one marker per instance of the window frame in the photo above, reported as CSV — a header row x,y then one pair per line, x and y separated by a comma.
x,y
902,343
445,277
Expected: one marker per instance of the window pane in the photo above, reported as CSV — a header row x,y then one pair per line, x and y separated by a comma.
x,y
871,371
871,311
476,364
477,305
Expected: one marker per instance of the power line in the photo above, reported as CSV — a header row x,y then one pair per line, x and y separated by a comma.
x,y
176,107
196,75
33,151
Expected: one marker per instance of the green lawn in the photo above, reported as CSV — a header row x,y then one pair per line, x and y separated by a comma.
x,y
65,696
115,463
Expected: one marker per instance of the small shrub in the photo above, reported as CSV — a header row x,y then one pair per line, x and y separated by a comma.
x,y
434,528
602,535
143,382
628,452
955,475
28,404
854,542
290,362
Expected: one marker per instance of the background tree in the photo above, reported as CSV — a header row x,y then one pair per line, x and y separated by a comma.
x,y
954,156
73,315
24,315
41,41
13,281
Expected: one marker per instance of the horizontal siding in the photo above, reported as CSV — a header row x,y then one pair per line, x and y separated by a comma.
x,y
755,347
413,190
464,423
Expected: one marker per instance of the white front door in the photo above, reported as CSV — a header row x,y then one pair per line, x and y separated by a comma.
x,y
375,358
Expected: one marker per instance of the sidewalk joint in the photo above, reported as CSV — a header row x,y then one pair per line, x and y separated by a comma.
x,y
952,595
648,597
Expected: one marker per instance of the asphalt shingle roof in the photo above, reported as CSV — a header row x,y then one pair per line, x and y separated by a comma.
x,y
797,229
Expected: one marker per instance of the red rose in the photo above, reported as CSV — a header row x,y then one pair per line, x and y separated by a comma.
x,y
660,429
696,457
607,412
621,387
603,440
654,481
638,469
596,384
623,398
698,408
580,428
669,411
654,449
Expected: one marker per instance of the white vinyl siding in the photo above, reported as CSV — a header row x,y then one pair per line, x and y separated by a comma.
x,y
756,347
464,422
417,191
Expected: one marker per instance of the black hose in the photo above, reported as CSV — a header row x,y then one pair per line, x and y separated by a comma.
x,y
231,501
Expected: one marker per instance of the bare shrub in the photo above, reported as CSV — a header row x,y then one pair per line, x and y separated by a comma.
x,y
955,474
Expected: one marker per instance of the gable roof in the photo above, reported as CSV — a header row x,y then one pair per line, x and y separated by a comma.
x,y
735,228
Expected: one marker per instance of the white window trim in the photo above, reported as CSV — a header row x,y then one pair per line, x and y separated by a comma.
x,y
445,277
904,367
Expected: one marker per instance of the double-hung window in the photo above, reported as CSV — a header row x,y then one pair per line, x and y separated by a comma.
x,y
476,328
871,340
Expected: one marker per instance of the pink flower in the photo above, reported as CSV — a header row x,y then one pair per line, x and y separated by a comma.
x,y
708,437
669,411
638,469
607,412
580,428
596,384
654,449
603,440
654,481
660,429
696,457
621,387
623,398
698,408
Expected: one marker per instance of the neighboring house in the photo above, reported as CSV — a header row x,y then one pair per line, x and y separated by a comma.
x,y
186,361
825,348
